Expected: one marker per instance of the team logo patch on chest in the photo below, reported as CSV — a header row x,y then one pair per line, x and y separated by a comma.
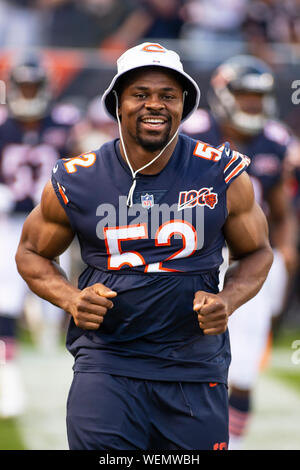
x,y
200,197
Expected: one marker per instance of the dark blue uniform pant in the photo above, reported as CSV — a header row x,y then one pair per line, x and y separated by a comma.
x,y
108,412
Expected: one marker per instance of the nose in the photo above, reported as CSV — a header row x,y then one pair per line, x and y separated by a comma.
x,y
153,102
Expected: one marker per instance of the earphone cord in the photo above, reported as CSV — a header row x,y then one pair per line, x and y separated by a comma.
x,y
134,173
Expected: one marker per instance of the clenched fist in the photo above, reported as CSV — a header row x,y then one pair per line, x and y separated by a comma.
x,y
90,305
212,312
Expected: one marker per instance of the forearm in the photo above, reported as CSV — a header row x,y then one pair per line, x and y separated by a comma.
x,y
245,277
45,278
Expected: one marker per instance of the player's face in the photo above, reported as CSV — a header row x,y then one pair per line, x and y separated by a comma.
x,y
151,106
250,102
29,90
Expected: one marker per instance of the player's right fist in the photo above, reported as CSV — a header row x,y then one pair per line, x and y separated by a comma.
x,y
90,305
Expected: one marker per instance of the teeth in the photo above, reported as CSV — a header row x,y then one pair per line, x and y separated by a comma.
x,y
153,121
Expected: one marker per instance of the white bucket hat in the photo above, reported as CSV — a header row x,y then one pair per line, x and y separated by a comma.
x,y
148,55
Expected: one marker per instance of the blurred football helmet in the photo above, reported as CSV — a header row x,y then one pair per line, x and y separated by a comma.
x,y
242,74
28,93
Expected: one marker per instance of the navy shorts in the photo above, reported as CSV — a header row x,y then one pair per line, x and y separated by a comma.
x,y
109,412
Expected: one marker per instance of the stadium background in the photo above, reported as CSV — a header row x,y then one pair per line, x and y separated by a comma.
x,y
80,42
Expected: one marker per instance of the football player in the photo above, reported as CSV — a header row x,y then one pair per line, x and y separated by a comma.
x,y
243,112
148,327
33,134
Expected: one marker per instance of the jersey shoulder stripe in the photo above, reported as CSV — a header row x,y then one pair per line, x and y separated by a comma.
x,y
232,162
235,164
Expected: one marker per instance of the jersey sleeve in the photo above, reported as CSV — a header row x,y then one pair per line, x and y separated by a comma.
x,y
59,180
234,163
70,178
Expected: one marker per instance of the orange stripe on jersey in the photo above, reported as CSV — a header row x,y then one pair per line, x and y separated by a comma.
x,y
234,158
61,192
240,167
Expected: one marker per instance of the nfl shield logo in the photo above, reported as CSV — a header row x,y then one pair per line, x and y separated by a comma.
x,y
147,201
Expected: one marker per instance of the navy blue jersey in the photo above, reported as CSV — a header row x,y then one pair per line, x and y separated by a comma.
x,y
155,255
266,150
27,156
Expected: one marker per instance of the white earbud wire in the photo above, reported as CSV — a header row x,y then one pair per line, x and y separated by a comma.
x,y
134,173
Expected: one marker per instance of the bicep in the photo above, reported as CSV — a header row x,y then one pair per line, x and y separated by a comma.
x,y
46,230
246,228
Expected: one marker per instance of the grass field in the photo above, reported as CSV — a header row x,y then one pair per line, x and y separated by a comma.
x,y
276,421
47,377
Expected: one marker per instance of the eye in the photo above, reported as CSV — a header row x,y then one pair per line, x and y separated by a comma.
x,y
140,96
169,97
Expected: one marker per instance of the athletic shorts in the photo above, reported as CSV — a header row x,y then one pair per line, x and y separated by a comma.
x,y
109,412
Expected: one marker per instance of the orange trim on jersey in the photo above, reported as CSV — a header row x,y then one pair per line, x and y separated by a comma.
x,y
234,158
86,160
161,268
213,154
168,242
126,263
237,170
61,192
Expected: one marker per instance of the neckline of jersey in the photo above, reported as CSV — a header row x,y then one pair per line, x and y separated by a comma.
x,y
171,162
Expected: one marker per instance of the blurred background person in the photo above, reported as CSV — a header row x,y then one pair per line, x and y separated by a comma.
x,y
209,23
271,21
243,110
111,25
94,129
73,23
21,23
33,135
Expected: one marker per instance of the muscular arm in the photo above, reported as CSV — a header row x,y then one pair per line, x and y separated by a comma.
x,y
246,234
247,237
46,234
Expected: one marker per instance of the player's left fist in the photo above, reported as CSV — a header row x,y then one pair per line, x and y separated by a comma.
x,y
212,312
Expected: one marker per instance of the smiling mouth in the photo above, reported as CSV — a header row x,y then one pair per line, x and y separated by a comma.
x,y
153,122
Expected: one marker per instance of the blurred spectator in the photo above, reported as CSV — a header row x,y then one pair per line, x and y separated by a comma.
x,y
165,19
112,25
34,133
271,21
212,19
21,23
73,23
215,22
151,20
